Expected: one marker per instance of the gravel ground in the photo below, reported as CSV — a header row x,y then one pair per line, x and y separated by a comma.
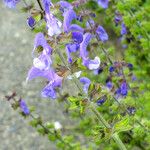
x,y
16,43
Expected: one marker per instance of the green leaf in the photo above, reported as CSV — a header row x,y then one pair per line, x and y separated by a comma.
x,y
49,125
34,123
51,137
122,125
41,131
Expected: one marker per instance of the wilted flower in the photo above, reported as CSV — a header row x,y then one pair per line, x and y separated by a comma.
x,y
103,3
86,83
11,3
24,107
102,35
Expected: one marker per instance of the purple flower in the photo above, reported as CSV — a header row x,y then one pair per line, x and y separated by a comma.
x,y
80,18
50,75
35,72
100,102
70,48
64,6
133,78
24,107
75,27
86,83
118,18
77,37
123,29
130,66
118,92
98,71
11,3
49,90
42,68
31,22
92,64
111,69
90,23
43,62
124,89
40,41
47,4
52,23
83,46
69,15
102,35
109,85
103,3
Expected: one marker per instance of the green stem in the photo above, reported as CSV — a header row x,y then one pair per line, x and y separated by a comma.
x,y
99,116
93,108
48,131
66,65
104,122
118,141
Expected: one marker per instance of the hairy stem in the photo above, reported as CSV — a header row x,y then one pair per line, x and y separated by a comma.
x,y
93,108
48,131
116,138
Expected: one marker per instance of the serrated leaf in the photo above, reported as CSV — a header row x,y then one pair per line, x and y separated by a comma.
x,y
122,125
